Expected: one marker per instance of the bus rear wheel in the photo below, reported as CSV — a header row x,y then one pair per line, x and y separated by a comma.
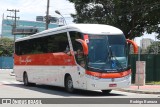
x,y
25,80
69,84
105,92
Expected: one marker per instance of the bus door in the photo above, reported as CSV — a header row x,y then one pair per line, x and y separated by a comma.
x,y
81,64
80,59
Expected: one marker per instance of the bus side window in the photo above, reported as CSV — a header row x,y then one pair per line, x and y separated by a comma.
x,y
75,35
58,43
77,47
17,48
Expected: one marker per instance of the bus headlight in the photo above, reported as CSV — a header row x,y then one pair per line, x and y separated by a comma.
x,y
127,77
92,77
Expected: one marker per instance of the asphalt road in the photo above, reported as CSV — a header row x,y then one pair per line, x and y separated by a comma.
x,y
10,88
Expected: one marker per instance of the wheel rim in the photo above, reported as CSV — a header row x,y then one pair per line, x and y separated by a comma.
x,y
70,84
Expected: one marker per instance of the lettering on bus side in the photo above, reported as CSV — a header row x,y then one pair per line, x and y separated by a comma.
x,y
26,60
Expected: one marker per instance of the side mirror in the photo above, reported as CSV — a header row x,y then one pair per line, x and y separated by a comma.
x,y
84,45
134,45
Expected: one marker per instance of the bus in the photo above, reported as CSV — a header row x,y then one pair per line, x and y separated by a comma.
x,y
76,56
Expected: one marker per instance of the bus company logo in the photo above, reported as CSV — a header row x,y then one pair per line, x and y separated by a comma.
x,y
97,75
26,60
6,101
20,101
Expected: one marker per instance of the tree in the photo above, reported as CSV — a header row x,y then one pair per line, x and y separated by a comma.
x,y
6,47
133,17
154,48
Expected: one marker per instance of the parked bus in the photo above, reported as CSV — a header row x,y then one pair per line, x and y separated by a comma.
x,y
77,56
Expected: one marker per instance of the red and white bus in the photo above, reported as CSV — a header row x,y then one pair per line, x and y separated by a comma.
x,y
78,56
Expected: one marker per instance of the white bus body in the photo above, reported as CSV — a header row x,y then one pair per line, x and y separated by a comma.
x,y
56,57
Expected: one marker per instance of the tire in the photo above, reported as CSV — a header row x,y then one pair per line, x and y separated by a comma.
x,y
26,82
106,92
69,84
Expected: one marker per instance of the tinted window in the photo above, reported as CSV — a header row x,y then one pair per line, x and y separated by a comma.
x,y
75,35
58,43
48,44
116,39
77,47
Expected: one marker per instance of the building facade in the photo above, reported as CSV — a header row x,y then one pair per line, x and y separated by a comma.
x,y
145,42
7,26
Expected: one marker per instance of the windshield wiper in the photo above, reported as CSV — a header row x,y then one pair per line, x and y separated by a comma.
x,y
96,68
111,56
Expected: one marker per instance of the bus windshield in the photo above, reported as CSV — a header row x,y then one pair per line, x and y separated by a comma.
x,y
107,53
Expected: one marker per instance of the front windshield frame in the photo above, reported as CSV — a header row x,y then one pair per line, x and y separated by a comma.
x,y
106,54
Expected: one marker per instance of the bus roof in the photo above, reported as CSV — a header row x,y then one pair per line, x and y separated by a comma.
x,y
83,28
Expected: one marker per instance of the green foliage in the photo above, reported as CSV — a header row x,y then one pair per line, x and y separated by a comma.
x,y
133,17
6,47
154,48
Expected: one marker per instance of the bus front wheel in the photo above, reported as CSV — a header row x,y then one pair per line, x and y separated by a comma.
x,y
69,84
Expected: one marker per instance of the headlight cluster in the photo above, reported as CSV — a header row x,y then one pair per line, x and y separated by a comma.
x,y
92,77
127,77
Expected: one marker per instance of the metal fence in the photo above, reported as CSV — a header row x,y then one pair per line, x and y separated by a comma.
x,y
152,66
6,62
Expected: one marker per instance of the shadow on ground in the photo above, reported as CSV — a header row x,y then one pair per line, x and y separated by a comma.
x,y
53,90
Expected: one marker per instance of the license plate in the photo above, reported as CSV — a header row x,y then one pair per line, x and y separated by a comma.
x,y
112,85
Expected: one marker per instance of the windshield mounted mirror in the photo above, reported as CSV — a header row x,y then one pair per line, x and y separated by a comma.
x,y
135,47
84,45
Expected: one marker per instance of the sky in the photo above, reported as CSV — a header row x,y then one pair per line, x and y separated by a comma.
x,y
29,9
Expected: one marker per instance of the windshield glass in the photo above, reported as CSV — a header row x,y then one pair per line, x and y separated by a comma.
x,y
107,53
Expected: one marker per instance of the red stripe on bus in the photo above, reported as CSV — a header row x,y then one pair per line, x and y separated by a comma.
x,y
108,75
45,59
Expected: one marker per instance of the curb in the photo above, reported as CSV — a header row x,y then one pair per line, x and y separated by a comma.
x,y
139,91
